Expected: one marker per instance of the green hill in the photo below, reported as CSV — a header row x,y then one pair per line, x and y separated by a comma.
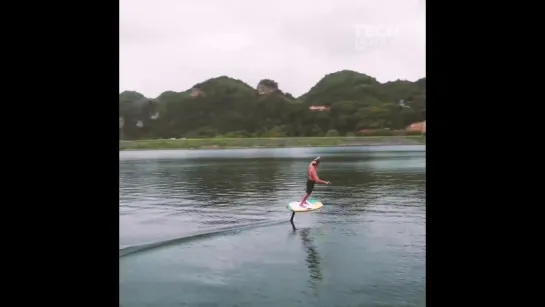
x,y
342,103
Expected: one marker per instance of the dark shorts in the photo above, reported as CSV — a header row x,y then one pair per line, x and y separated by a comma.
x,y
310,186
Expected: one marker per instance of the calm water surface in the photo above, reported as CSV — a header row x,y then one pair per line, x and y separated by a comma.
x,y
210,228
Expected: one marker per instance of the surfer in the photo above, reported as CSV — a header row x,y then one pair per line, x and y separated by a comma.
x,y
312,179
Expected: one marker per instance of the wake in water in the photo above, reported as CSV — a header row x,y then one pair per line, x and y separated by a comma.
x,y
200,235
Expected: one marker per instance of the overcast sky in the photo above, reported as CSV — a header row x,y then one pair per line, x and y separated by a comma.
x,y
174,44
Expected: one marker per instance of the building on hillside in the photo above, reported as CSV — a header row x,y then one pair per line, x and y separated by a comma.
x,y
417,127
318,108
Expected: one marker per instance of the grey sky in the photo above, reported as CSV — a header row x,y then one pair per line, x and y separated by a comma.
x,y
174,44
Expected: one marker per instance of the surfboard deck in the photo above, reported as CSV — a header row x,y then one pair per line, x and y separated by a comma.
x,y
310,205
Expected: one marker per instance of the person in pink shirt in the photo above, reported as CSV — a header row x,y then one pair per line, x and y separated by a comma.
x,y
312,179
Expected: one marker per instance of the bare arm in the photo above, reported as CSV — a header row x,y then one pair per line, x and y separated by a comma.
x,y
314,176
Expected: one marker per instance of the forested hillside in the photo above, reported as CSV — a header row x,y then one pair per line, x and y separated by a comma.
x,y
341,103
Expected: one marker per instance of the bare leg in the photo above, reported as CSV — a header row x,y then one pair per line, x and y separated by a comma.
x,y
304,200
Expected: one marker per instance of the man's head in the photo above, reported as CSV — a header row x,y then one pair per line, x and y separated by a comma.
x,y
316,161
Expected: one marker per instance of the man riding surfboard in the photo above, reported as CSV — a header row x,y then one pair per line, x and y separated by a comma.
x,y
312,179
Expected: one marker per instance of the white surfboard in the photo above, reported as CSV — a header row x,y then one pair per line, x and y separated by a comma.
x,y
310,205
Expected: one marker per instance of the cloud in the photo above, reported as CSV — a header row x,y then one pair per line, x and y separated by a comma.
x,y
171,44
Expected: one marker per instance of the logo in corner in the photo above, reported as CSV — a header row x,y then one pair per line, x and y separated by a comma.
x,y
369,37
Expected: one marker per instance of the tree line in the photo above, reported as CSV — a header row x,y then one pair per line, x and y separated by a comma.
x,y
341,103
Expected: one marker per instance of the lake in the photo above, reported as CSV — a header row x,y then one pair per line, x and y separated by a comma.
x,y
211,228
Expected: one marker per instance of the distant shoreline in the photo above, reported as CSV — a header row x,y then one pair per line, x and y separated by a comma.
x,y
281,142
